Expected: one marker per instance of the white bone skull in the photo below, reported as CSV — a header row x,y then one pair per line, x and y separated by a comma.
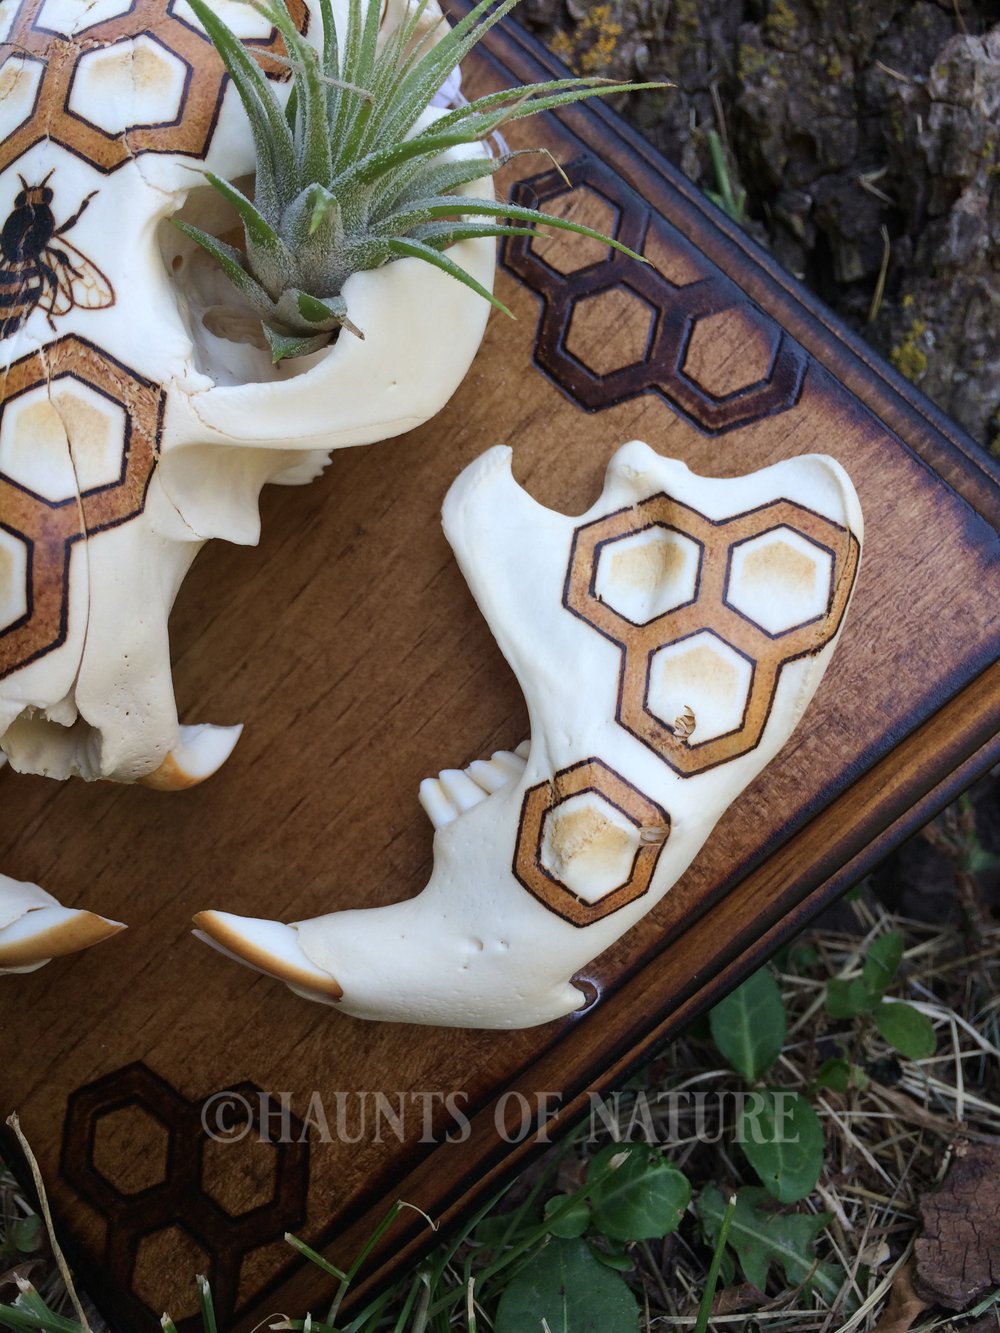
x,y
667,643
135,422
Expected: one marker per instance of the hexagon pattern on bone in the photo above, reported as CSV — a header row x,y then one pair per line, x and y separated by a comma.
x,y
667,643
138,416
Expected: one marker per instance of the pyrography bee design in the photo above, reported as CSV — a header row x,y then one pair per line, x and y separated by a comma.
x,y
35,272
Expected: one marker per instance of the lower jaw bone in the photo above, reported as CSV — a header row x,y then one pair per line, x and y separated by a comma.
x,y
655,697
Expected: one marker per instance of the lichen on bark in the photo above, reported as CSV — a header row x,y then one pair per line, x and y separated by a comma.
x,y
840,118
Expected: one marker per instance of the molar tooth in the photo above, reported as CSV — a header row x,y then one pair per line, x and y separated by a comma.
x,y
200,751
437,805
510,762
487,775
460,789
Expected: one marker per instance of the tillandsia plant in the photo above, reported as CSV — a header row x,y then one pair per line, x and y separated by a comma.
x,y
347,177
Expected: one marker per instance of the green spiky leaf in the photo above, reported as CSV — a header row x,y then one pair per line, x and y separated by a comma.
x,y
350,172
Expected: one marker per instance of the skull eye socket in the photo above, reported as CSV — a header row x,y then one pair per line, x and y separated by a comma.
x,y
227,339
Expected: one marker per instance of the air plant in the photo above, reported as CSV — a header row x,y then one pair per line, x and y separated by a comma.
x,y
347,176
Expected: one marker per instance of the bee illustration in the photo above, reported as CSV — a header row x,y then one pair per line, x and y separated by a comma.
x,y
35,272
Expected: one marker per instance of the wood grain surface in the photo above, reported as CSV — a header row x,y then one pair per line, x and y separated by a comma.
x,y
349,645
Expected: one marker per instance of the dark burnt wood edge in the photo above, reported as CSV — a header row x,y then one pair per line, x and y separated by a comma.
x,y
915,802
897,403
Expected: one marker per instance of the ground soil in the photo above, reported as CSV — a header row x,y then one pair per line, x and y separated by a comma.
x,y
866,136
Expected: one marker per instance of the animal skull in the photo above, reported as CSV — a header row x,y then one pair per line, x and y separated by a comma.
x,y
140,414
699,616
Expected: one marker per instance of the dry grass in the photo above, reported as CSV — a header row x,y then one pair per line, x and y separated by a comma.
x,y
887,1143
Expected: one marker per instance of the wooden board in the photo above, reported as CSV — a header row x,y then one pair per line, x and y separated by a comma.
x,y
352,650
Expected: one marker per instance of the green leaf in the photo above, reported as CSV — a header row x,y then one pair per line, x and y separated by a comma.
x,y
255,224
231,261
615,1259
573,1216
417,250
284,345
761,1238
782,1140
27,1234
571,1291
749,1025
840,1075
906,1028
803,959
882,962
642,1199
272,137
847,999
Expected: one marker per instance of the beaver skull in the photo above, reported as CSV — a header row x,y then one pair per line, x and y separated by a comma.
x,y
140,414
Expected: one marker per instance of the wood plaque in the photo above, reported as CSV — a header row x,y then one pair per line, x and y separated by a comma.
x,y
351,648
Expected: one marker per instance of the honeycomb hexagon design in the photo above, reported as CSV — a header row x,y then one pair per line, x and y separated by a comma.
x,y
15,589
702,654
656,364
131,1148
101,92
66,18
20,84
146,1227
79,436
57,63
702,673
588,842
610,331
647,573
568,253
780,580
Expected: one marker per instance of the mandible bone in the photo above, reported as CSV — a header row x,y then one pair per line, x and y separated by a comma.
x,y
667,643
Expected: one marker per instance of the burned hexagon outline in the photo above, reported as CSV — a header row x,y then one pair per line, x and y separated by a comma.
x,y
709,612
589,775
53,527
677,310
179,1199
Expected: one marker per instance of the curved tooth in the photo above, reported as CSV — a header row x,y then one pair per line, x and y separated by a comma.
x,y
51,932
523,750
200,751
270,947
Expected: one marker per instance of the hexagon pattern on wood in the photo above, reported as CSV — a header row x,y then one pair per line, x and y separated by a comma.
x,y
677,303
210,1177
